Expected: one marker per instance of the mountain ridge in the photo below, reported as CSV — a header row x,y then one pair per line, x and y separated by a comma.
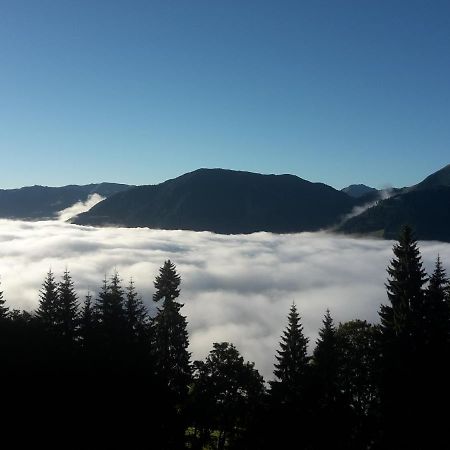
x,y
224,201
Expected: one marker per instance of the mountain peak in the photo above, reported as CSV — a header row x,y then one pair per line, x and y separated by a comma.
x,y
439,178
358,190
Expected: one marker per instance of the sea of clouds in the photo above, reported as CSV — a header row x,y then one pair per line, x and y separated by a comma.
x,y
235,288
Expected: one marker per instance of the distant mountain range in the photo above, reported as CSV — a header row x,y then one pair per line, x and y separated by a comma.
x,y
224,201
359,190
425,206
231,202
43,202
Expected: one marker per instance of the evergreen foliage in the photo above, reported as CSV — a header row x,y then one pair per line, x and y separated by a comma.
x,y
330,406
135,313
437,310
169,332
4,310
66,310
292,358
46,312
402,319
88,322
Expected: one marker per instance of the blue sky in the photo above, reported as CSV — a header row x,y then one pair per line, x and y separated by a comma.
x,y
141,91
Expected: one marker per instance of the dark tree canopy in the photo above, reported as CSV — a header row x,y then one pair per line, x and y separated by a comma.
x,y
226,389
169,332
167,283
66,310
48,299
404,288
437,309
135,312
4,310
292,357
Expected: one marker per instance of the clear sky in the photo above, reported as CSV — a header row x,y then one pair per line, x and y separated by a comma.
x,y
140,91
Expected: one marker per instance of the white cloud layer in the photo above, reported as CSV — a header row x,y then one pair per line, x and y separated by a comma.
x,y
235,288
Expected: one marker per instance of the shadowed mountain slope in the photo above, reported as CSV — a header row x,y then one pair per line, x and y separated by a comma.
x,y
43,202
224,201
425,207
358,190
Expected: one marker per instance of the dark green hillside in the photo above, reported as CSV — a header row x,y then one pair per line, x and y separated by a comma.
x,y
426,210
43,202
359,190
224,201
439,178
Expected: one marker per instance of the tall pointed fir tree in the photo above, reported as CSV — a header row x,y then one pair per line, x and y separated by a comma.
x,y
87,323
48,299
288,393
402,319
326,359
292,358
330,406
434,358
111,316
4,310
135,313
170,336
437,312
67,310
402,338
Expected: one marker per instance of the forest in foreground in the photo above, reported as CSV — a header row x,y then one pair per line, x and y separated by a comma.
x,y
103,366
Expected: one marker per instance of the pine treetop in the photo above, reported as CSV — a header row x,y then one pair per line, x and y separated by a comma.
x,y
292,358
48,298
167,283
4,310
405,285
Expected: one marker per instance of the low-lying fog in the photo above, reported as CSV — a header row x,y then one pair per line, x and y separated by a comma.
x,y
235,288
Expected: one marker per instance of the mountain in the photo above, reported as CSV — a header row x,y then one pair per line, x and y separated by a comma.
x,y
224,201
425,206
358,190
437,179
43,202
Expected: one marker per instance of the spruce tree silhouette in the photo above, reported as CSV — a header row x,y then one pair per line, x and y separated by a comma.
x,y
292,357
402,338
288,393
66,311
48,299
136,314
171,357
4,310
170,334
329,402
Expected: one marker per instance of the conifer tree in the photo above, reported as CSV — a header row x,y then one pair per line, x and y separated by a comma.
x,y
4,310
111,322
135,312
87,321
292,357
326,360
169,330
67,309
402,344
437,311
402,319
48,299
110,306
288,393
